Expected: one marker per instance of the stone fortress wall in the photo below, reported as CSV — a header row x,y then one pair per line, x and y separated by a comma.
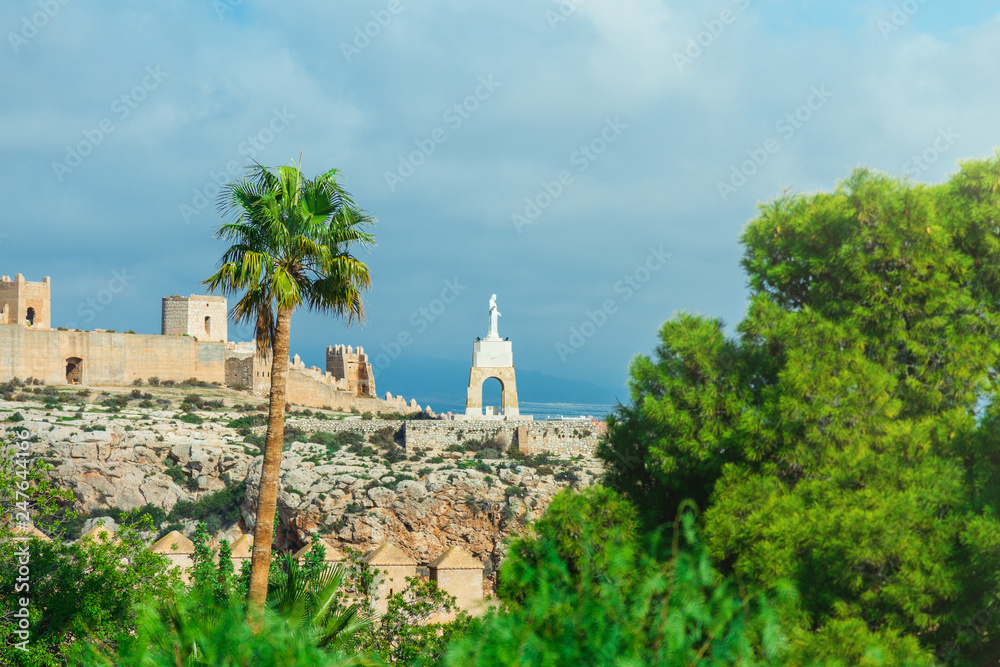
x,y
560,438
193,345
105,358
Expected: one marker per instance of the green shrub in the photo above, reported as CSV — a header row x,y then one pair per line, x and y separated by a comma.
x,y
224,504
567,476
584,591
493,442
489,454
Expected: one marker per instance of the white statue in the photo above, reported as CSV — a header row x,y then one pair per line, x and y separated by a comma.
x,y
494,315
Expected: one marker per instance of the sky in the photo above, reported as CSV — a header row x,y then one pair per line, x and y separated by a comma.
x,y
591,162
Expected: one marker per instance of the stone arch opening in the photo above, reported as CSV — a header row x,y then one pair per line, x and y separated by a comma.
x,y
30,317
208,325
492,391
74,370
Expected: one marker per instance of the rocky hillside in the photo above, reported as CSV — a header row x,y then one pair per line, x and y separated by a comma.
x,y
192,454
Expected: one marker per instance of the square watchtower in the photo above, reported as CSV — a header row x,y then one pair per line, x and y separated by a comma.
x,y
204,317
25,303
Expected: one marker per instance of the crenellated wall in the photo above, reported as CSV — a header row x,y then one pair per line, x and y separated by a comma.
x,y
22,302
352,367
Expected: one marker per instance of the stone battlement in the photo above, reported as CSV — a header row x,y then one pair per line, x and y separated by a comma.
x,y
25,303
351,366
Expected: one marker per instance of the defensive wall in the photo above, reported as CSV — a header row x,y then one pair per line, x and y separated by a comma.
x,y
192,345
559,438
105,358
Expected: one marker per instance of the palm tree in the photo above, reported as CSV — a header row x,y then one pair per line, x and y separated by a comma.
x,y
310,604
291,243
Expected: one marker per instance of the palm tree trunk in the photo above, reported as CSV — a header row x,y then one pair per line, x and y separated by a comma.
x,y
267,499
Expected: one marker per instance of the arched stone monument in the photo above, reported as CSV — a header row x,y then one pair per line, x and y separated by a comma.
x,y
492,357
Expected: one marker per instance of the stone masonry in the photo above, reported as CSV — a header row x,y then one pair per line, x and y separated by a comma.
x,y
202,317
560,438
22,302
193,345
352,366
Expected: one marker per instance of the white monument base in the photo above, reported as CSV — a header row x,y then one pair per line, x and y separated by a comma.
x,y
495,353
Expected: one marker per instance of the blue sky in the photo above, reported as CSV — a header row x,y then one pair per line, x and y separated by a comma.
x,y
596,173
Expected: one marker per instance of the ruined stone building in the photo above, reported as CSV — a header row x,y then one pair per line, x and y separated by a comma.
x,y
26,303
193,344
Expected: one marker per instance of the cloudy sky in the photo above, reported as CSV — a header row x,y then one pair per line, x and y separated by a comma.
x,y
592,162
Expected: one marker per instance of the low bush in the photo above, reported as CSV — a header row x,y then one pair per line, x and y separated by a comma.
x,y
493,442
223,504
515,492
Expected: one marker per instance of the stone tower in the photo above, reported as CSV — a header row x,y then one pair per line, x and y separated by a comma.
x,y
29,304
492,357
203,317
352,366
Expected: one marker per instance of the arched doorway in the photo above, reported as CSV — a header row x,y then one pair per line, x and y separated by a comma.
x,y
30,317
478,377
493,395
208,326
74,370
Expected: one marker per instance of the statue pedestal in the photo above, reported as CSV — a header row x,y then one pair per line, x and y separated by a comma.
x,y
492,353
492,358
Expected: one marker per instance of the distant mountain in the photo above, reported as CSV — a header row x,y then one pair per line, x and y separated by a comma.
x,y
441,383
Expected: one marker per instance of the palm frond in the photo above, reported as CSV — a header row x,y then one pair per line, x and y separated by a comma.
x,y
292,242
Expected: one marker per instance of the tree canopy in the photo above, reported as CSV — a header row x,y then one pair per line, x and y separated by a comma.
x,y
843,438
